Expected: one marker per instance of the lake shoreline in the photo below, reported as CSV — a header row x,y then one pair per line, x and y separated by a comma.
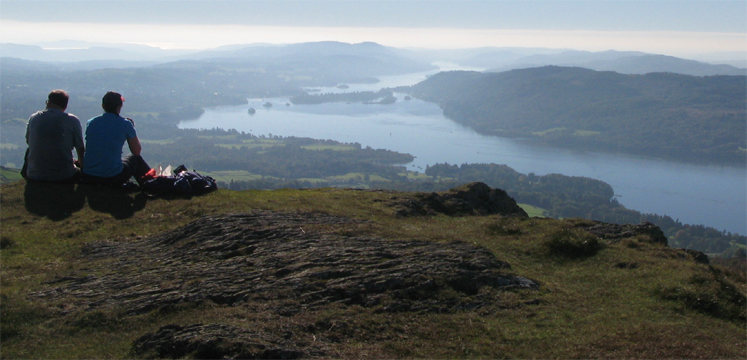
x,y
710,194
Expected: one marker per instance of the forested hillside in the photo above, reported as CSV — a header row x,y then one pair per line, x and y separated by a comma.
x,y
698,119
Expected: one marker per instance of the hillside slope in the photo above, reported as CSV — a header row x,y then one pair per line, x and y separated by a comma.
x,y
663,115
93,272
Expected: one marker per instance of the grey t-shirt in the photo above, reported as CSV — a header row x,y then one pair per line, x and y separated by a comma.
x,y
52,135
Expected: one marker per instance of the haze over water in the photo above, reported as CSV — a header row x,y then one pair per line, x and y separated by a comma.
x,y
696,194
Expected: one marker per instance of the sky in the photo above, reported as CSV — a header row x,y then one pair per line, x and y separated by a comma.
x,y
672,27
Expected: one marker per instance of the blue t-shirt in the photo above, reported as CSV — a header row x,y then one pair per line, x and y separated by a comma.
x,y
105,136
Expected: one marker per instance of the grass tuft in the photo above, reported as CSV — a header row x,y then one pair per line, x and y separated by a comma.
x,y
573,243
710,293
6,242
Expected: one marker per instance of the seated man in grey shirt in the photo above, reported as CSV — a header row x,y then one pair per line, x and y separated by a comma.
x,y
51,135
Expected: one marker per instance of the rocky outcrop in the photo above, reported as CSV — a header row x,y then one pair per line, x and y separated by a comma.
x,y
616,232
471,199
217,341
277,265
267,256
645,231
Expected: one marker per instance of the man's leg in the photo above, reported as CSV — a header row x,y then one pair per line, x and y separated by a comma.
x,y
135,166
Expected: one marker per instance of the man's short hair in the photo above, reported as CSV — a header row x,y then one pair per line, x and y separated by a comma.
x,y
111,101
59,98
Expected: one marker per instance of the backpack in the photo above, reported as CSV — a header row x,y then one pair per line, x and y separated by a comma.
x,y
182,183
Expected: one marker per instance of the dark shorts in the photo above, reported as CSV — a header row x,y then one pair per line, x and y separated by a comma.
x,y
133,165
71,180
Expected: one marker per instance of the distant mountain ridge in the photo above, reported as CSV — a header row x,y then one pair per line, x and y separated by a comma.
x,y
625,62
372,59
79,55
82,51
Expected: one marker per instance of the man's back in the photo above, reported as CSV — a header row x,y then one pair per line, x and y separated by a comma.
x,y
51,135
105,136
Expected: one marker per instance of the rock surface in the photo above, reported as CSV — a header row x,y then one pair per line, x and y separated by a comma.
x,y
232,259
272,262
216,341
616,232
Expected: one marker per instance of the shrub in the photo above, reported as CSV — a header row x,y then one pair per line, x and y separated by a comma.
x,y
712,294
6,242
573,243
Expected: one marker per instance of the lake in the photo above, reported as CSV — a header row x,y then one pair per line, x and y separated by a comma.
x,y
696,194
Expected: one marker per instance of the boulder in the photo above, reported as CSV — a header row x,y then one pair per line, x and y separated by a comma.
x,y
475,198
617,232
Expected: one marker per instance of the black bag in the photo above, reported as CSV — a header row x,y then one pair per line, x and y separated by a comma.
x,y
183,183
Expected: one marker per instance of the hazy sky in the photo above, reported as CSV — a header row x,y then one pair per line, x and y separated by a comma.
x,y
660,26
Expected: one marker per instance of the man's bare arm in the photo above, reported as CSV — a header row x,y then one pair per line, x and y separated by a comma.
x,y
81,151
135,147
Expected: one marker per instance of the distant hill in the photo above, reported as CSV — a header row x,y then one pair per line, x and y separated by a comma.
x,y
16,65
645,64
353,62
332,59
663,115
80,51
624,62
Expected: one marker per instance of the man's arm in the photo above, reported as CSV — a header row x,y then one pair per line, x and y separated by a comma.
x,y
81,152
78,142
135,146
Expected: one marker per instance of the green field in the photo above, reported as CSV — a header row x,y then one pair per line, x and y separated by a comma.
x,y
8,175
545,132
341,147
534,211
158,142
235,175
577,132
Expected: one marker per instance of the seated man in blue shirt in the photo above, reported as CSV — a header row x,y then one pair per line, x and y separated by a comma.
x,y
52,134
105,136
